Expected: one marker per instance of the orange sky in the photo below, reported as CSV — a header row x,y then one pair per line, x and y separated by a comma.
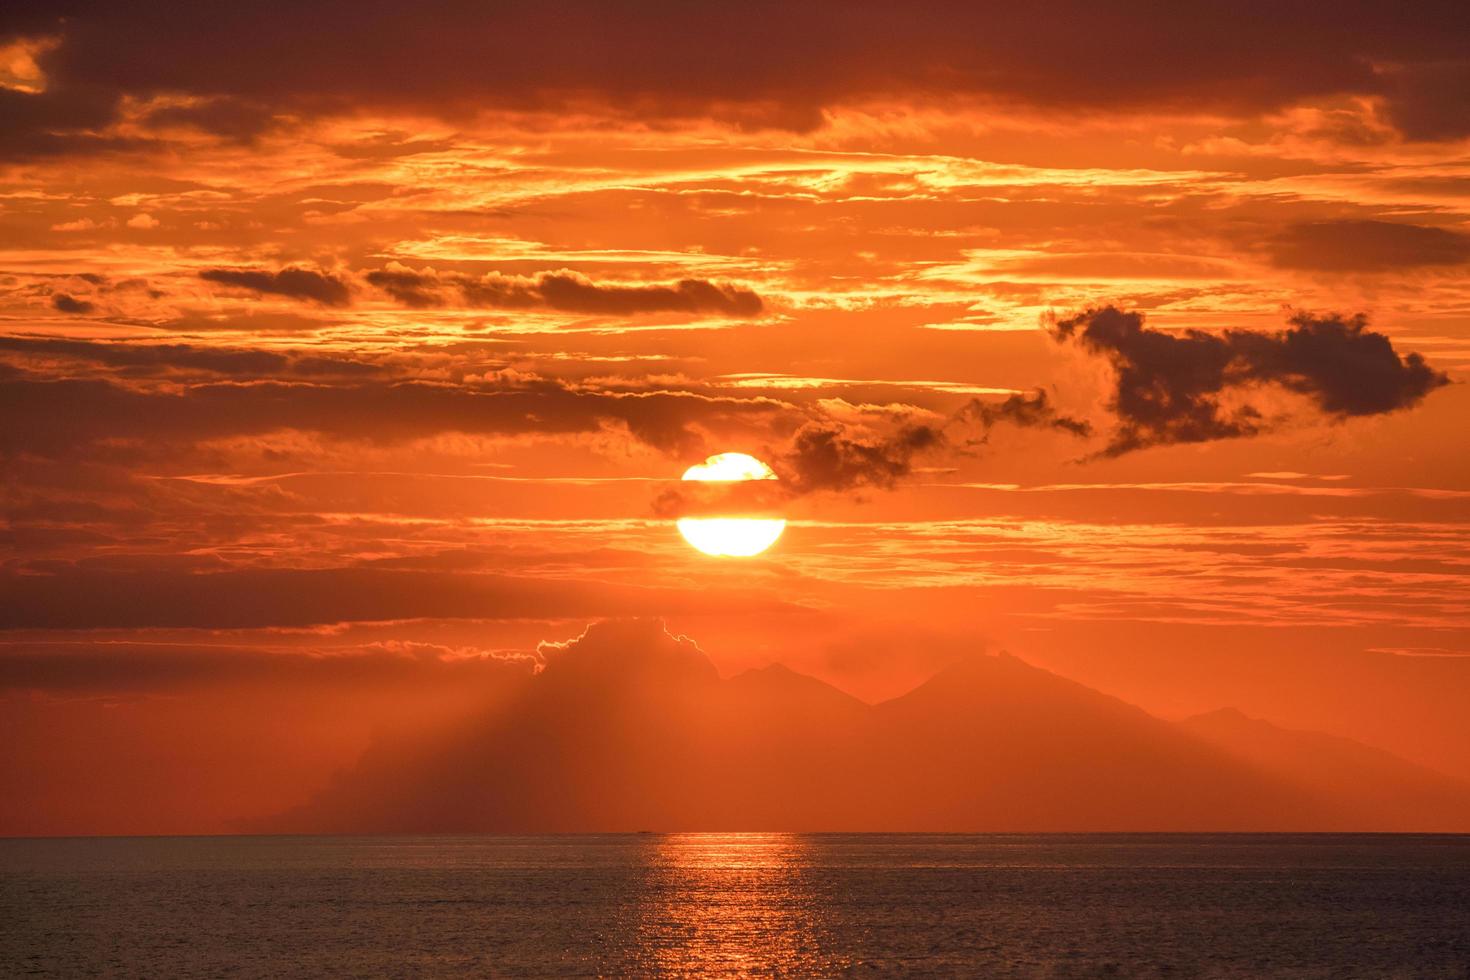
x,y
347,354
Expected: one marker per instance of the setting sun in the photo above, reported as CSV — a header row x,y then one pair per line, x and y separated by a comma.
x,y
730,537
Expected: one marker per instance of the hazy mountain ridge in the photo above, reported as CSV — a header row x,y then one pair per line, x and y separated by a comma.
x,y
631,728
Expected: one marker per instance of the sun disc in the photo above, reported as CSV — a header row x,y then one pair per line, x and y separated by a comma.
x,y
729,468
730,536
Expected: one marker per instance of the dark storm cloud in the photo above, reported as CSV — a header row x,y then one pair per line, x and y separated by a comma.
x,y
305,284
763,62
1367,246
70,304
1170,385
565,291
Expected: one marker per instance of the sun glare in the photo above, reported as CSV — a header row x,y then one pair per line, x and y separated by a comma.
x,y
730,537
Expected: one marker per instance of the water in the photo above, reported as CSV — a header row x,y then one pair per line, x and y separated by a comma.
x,y
730,904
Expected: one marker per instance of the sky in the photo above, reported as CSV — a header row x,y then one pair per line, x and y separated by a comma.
x,y
350,355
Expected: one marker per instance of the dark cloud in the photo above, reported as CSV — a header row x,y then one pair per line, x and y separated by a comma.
x,y
1028,411
70,304
230,118
72,668
760,63
60,121
823,455
61,417
828,456
563,290
136,359
306,284
1428,100
1170,387
87,597
1366,246
420,290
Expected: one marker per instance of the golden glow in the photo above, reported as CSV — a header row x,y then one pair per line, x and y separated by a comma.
x,y
730,537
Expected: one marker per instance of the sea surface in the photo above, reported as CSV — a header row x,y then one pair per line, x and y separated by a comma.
x,y
738,904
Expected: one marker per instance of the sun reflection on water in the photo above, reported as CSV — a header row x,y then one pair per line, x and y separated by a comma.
x,y
733,904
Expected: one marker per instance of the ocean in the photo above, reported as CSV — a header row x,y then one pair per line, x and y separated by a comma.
x,y
1302,906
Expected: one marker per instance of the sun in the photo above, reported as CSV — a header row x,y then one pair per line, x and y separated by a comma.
x,y
730,537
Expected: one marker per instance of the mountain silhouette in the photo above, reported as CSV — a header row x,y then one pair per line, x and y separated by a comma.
x,y
630,728
1362,782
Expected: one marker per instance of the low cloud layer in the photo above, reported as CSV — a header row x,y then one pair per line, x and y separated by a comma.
x,y
563,290
1173,387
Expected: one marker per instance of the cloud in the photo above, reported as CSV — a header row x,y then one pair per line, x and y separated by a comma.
x,y
80,667
832,455
761,63
562,290
825,455
1029,411
61,416
59,121
829,456
614,652
1170,387
70,304
87,597
1426,100
296,283
136,360
230,118
1366,246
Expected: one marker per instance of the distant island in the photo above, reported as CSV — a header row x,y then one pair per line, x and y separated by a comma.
x,y
629,727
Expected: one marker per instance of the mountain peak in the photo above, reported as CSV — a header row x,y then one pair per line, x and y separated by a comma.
x,y
780,682
632,647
